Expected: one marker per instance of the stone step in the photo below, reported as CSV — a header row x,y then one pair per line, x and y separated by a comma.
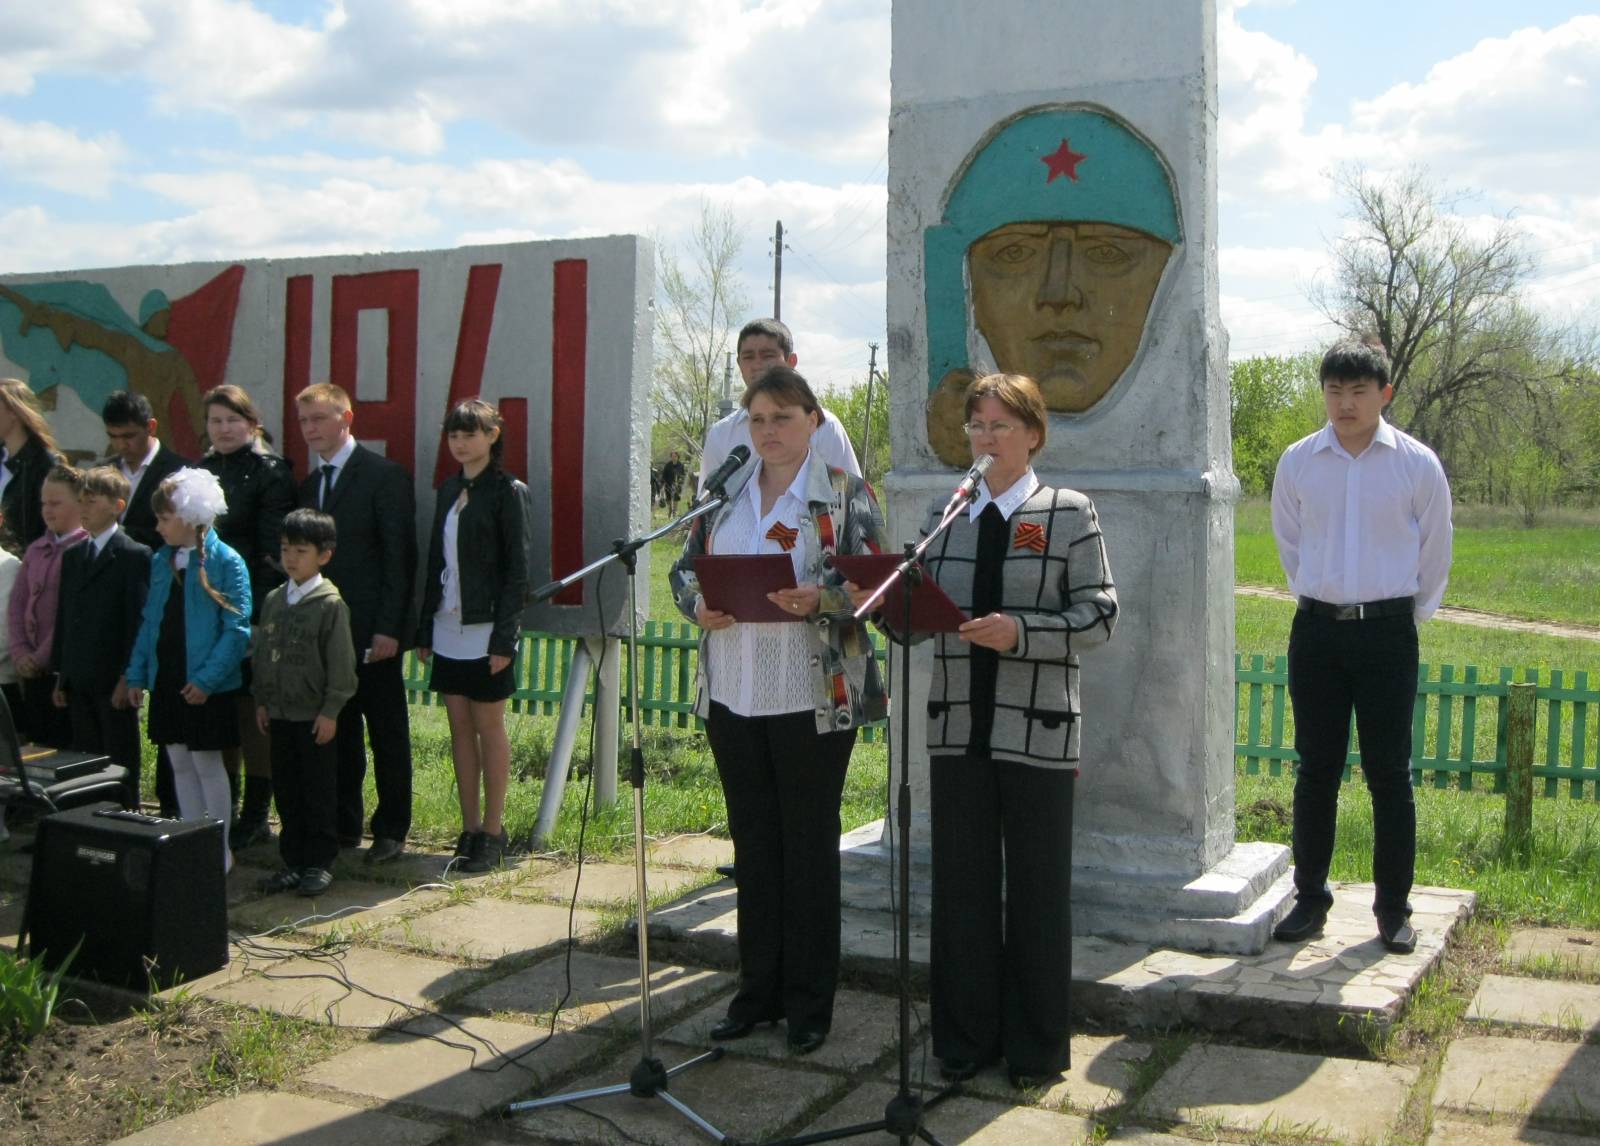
x,y
1555,1084
1548,1004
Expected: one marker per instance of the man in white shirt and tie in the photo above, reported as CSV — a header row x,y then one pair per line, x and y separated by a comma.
x,y
765,343
1361,514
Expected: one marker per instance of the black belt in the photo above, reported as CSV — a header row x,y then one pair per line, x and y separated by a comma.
x,y
1393,607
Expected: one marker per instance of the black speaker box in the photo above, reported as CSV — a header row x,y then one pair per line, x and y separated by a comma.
x,y
147,898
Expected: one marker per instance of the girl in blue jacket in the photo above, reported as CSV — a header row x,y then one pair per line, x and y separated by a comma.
x,y
194,636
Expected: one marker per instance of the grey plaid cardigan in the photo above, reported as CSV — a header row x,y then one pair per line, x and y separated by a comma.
x,y
1057,584
843,517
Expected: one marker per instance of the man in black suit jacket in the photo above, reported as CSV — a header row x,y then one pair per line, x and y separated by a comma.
x,y
372,502
136,451
103,586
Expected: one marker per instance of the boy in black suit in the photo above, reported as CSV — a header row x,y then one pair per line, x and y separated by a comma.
x,y
103,587
373,504
142,459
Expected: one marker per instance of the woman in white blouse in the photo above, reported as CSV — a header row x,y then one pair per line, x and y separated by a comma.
x,y
781,703
472,620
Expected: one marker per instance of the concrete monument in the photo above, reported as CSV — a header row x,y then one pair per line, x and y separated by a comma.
x,y
1052,190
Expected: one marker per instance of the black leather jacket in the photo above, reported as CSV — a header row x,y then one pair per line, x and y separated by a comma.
x,y
24,523
261,492
492,553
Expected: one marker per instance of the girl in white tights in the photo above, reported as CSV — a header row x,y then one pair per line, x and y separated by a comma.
x,y
193,637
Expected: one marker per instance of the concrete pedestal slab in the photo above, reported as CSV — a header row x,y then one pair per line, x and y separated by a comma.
x,y
1506,1001
1241,1088
264,1118
489,929
605,990
865,1027
1541,1080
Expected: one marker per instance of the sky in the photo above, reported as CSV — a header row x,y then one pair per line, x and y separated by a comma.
x,y
158,131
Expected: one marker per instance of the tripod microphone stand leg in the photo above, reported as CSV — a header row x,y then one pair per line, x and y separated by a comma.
x,y
649,1078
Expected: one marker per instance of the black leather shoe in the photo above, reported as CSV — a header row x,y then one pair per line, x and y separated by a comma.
x,y
804,1042
958,1069
730,1029
314,881
1397,934
1304,922
383,851
725,870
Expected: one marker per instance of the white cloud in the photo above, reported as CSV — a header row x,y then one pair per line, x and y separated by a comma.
x,y
55,157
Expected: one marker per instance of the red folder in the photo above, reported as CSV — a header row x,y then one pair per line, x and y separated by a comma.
x,y
739,584
932,610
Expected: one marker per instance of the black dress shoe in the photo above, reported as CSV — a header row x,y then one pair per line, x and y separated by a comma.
x,y
1304,922
729,1029
383,851
958,1069
804,1042
725,870
1397,934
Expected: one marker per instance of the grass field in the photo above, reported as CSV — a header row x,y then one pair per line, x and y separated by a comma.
x,y
1549,573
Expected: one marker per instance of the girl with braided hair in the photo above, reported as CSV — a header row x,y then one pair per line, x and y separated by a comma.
x,y
193,639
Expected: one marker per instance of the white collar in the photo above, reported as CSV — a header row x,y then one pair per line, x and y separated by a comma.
x,y
796,490
155,448
1010,501
1328,439
297,593
99,540
341,456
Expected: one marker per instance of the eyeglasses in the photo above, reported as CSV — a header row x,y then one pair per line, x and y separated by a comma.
x,y
998,429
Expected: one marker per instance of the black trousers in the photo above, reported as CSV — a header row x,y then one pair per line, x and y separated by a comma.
x,y
783,781
1369,667
377,713
305,784
41,721
1001,960
98,727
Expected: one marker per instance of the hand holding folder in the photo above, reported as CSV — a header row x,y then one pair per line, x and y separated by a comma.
x,y
738,584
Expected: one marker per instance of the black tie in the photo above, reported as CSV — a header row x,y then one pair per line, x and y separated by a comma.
x,y
327,484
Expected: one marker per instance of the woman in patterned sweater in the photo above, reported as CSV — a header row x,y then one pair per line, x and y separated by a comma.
x,y
782,702
1028,564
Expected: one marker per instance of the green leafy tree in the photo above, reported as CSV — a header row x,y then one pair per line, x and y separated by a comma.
x,y
849,405
1274,401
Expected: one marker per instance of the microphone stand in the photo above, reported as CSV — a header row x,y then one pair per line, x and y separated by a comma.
x,y
649,1078
902,1117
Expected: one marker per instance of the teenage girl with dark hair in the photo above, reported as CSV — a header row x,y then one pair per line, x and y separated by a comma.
x,y
472,603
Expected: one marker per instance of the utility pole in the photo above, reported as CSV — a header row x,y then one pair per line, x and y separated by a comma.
x,y
866,431
777,271
725,407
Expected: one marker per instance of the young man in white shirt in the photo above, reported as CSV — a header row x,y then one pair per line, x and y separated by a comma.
x,y
1361,514
763,344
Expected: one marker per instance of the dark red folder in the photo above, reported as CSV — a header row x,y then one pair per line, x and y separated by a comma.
x,y
739,584
932,611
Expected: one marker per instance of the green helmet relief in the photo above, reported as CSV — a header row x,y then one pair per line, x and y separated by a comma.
x,y
1048,166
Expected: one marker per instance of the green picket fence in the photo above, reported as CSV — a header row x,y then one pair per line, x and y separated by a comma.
x,y
1458,726
667,652
1458,723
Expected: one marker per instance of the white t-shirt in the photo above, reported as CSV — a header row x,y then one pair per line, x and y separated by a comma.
x,y
828,442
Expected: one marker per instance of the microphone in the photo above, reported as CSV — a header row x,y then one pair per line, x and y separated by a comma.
x,y
968,489
731,465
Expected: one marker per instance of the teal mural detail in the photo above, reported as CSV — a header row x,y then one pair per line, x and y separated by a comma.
x,y
1019,175
38,348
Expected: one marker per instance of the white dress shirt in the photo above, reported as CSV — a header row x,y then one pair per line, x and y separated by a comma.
x,y
299,590
340,457
99,539
1367,528
764,668
1007,503
137,475
828,442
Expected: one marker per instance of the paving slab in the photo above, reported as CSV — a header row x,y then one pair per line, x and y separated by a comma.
x,y
865,1027
1556,948
701,851
1241,1088
489,928
746,1099
1543,1080
1102,1074
1550,1004
262,1118
959,1119
10,921
489,1064
605,990
606,883
351,904
244,880
313,986
1459,1132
